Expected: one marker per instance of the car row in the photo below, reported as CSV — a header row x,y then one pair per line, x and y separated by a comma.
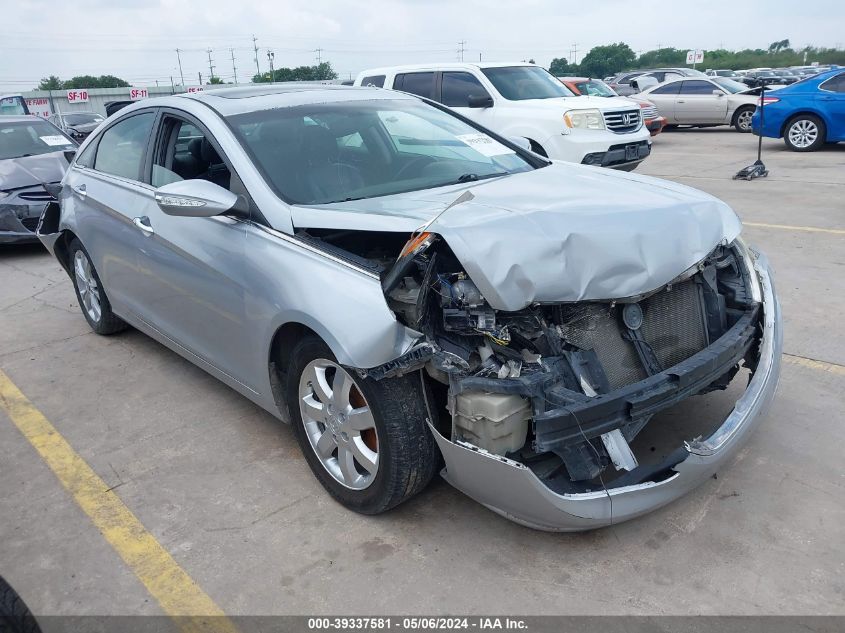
x,y
409,288
522,100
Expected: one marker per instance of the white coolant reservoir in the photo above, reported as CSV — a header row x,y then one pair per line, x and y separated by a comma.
x,y
496,422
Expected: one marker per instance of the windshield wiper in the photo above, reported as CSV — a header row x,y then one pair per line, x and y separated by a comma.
x,y
474,177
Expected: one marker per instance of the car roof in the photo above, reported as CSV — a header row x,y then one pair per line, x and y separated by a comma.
x,y
441,66
229,101
18,118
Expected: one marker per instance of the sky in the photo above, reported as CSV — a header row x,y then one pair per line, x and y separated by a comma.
x,y
137,39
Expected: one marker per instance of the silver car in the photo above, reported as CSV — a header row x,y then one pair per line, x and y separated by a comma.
x,y
409,289
704,101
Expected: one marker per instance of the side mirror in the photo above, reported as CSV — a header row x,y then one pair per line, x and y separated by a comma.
x,y
195,199
718,93
521,141
480,101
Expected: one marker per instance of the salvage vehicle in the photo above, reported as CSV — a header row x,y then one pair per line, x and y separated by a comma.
x,y
652,119
405,286
13,104
32,152
78,125
526,101
703,102
806,114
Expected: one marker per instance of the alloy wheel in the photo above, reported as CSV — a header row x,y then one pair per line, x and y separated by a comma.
x,y
803,133
743,120
86,284
339,424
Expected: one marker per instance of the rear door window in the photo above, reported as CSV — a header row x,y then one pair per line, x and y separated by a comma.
x,y
668,89
121,148
421,84
835,84
376,81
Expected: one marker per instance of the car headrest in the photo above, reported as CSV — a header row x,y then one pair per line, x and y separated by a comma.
x,y
195,147
208,153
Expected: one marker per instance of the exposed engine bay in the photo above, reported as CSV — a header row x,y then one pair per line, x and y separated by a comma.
x,y
561,388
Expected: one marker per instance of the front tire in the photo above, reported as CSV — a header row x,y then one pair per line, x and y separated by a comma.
x,y
90,293
366,441
742,119
804,133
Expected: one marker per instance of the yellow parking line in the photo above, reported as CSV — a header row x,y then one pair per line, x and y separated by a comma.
x,y
789,227
811,363
169,584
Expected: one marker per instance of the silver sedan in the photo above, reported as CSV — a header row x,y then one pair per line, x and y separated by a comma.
x,y
704,101
408,288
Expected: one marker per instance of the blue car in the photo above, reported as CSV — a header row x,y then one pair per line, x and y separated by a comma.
x,y
806,114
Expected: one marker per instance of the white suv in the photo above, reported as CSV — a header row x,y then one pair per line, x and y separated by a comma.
x,y
525,101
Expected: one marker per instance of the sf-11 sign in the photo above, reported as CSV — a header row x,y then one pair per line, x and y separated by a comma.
x,y
136,94
77,96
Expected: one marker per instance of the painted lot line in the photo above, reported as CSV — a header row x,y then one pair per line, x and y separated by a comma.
x,y
812,363
167,582
789,227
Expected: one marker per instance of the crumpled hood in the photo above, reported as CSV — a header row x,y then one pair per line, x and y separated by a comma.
x,y
32,170
85,128
557,234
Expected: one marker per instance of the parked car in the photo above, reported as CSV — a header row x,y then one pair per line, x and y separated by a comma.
x,y
757,78
622,83
526,101
704,101
401,284
727,74
113,106
807,114
77,124
597,88
13,104
32,152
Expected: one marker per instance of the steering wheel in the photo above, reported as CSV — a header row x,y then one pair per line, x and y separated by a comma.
x,y
407,166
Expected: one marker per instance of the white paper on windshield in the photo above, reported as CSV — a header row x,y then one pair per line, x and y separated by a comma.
x,y
55,140
483,144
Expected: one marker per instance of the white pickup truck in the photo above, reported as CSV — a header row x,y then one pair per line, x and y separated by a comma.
x,y
522,100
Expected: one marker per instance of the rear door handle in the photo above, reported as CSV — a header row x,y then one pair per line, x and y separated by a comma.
x,y
80,190
143,223
681,101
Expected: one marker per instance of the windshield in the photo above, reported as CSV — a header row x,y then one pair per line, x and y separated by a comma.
x,y
30,138
725,73
729,84
351,150
82,118
12,105
595,88
518,83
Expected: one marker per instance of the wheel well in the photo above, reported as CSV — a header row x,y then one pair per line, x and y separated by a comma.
x,y
798,114
537,148
62,249
279,359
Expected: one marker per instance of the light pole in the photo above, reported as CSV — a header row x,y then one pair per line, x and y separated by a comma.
x,y
270,57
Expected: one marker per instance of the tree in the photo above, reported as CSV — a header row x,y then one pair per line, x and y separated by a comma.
x,y
215,80
777,47
559,67
662,57
90,81
50,83
320,72
607,60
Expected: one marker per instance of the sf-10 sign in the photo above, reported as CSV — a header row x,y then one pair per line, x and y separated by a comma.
x,y
136,94
77,96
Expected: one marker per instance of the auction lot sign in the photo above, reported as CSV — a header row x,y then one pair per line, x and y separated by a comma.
x,y
136,94
77,96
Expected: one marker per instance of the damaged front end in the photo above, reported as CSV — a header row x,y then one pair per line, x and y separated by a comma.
x,y
535,410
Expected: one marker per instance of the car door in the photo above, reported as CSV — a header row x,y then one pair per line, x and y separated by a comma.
x,y
831,100
106,195
456,88
664,98
696,102
188,286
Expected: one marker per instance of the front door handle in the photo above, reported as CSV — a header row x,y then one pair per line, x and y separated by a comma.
x,y
681,101
80,190
143,223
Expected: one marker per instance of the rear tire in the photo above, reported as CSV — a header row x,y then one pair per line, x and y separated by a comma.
x,y
90,293
395,456
804,133
15,616
742,119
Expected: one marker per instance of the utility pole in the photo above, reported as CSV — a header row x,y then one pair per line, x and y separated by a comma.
x,y
210,66
172,87
319,52
181,76
255,46
200,77
574,50
462,45
234,70
271,56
